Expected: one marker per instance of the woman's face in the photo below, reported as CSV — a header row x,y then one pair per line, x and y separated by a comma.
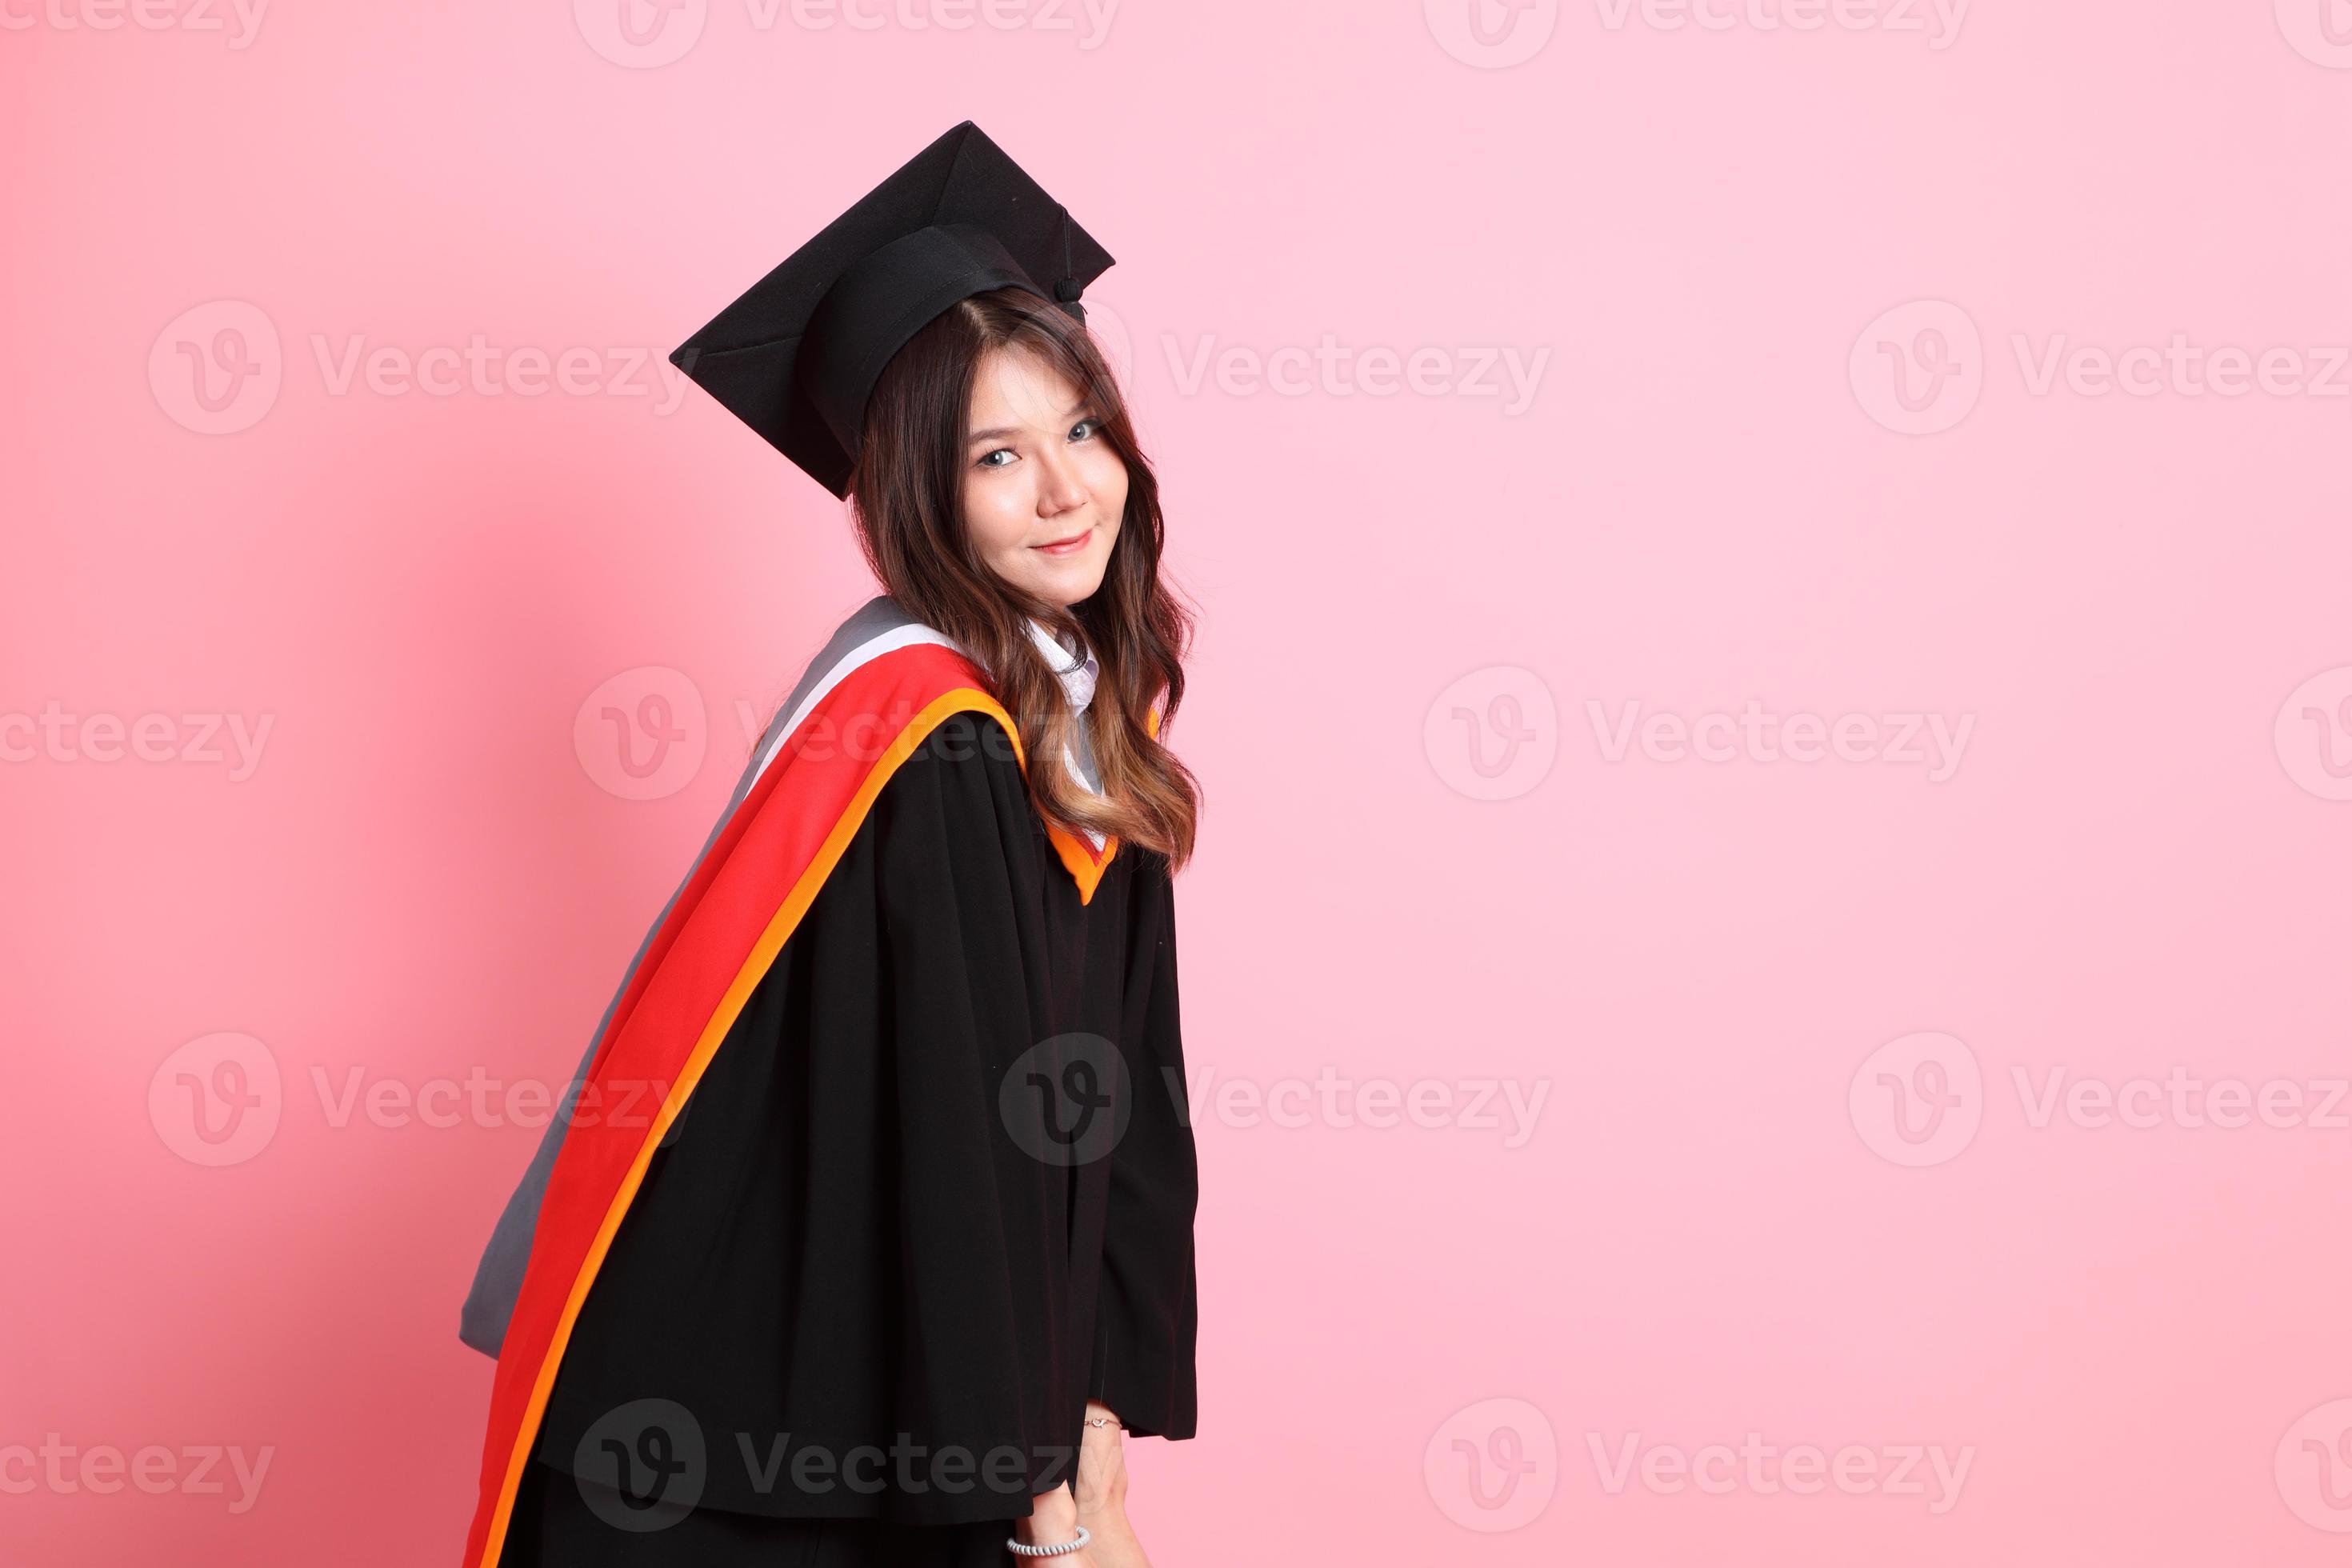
x,y
1042,490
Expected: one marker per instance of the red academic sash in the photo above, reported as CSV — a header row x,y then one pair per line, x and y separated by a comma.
x,y
729,922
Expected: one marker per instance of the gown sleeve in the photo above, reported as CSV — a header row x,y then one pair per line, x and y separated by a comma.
x,y
1147,1315
989,1356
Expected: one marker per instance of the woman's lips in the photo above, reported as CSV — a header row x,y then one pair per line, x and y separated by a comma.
x,y
1069,546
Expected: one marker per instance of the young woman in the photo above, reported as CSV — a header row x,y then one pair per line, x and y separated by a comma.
x,y
906,1247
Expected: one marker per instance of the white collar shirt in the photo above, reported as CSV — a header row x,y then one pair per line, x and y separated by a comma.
x,y
1077,678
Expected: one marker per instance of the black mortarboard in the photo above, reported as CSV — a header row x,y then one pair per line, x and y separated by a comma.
x,y
797,355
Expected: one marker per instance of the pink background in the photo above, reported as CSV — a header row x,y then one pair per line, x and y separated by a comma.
x,y
1722,1221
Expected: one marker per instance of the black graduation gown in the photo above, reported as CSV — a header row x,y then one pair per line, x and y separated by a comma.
x,y
933,1193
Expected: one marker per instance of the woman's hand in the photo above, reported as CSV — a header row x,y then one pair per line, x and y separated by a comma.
x,y
1101,1491
1052,1519
1101,1484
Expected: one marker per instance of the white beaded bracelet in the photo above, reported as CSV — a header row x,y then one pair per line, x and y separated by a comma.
x,y
1018,1550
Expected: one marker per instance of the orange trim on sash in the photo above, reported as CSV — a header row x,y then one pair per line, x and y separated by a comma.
x,y
1085,863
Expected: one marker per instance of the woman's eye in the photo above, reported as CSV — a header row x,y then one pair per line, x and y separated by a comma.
x,y
1084,430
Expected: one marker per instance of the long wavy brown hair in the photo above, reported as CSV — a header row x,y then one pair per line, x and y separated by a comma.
x,y
906,495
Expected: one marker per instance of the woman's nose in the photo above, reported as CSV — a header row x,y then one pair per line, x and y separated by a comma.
x,y
1060,485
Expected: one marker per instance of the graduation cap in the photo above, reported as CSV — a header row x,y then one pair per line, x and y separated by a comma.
x,y
796,357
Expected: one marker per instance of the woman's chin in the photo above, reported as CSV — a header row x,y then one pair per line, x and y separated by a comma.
x,y
1064,583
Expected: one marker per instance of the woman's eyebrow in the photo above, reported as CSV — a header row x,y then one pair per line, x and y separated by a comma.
x,y
1001,431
